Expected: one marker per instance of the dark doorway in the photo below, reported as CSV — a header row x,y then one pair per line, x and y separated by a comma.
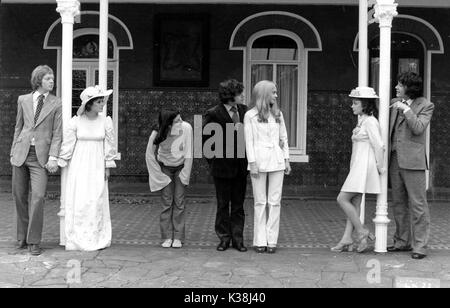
x,y
407,54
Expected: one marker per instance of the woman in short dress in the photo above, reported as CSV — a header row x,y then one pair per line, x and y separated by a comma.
x,y
366,165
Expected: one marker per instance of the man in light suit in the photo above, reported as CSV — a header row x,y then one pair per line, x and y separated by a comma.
x,y
34,151
410,116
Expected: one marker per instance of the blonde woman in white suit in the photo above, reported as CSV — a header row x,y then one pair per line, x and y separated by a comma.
x,y
268,161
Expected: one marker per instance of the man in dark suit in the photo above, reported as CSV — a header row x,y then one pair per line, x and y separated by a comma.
x,y
410,116
34,151
227,162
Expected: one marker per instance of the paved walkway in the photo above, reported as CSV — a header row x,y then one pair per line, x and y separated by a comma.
x,y
309,226
304,223
152,266
310,223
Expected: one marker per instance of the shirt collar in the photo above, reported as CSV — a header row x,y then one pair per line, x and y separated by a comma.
x,y
409,102
36,95
228,107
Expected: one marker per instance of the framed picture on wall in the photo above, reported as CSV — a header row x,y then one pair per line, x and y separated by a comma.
x,y
181,50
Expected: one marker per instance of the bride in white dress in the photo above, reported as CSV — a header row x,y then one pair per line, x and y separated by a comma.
x,y
88,151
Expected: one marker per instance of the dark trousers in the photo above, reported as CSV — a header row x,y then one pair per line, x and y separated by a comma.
x,y
410,207
230,217
172,219
30,219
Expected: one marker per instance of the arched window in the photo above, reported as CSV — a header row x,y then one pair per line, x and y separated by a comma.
x,y
281,55
407,55
86,47
277,55
85,68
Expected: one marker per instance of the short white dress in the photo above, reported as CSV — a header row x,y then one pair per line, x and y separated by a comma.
x,y
367,150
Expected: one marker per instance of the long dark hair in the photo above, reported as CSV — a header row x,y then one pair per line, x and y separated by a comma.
x,y
369,106
413,84
165,120
228,89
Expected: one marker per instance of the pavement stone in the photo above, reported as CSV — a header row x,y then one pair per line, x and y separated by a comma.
x,y
308,228
310,223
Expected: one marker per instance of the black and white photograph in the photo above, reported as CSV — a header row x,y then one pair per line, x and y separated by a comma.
x,y
233,150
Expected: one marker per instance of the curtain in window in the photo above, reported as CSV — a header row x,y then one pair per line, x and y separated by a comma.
x,y
375,73
287,80
261,72
408,65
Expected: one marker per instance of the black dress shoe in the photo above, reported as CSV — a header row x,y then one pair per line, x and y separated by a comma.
x,y
35,250
397,249
240,247
22,244
223,246
271,249
260,249
418,256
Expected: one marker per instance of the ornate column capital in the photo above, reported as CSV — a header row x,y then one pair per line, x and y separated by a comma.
x,y
68,9
385,11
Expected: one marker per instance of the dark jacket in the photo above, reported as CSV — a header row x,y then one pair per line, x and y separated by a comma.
x,y
224,167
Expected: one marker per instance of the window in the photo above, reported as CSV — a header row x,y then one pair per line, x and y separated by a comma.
x,y
278,56
86,47
85,71
407,56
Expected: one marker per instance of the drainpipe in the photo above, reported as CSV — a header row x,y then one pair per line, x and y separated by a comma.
x,y
363,62
103,48
363,70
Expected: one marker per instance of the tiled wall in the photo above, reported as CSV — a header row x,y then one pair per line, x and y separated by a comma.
x,y
330,122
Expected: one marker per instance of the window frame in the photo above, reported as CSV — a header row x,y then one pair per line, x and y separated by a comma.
x,y
92,64
298,153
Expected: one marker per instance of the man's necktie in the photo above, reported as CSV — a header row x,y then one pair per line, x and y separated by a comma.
x,y
39,107
235,116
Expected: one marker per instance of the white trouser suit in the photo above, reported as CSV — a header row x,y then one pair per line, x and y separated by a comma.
x,y
267,147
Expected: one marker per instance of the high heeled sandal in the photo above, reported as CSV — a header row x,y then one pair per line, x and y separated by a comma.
x,y
342,247
362,241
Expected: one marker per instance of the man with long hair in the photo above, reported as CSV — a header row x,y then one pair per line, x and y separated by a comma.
x,y
34,151
410,116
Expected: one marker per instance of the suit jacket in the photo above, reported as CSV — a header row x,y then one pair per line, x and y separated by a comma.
x,y
224,167
411,141
47,131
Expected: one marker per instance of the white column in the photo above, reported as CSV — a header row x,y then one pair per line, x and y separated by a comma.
x,y
68,9
385,11
103,47
363,61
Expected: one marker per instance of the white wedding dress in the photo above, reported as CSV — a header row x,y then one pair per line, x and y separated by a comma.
x,y
88,147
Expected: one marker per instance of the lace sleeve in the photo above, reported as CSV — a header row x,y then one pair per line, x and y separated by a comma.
x,y
68,143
